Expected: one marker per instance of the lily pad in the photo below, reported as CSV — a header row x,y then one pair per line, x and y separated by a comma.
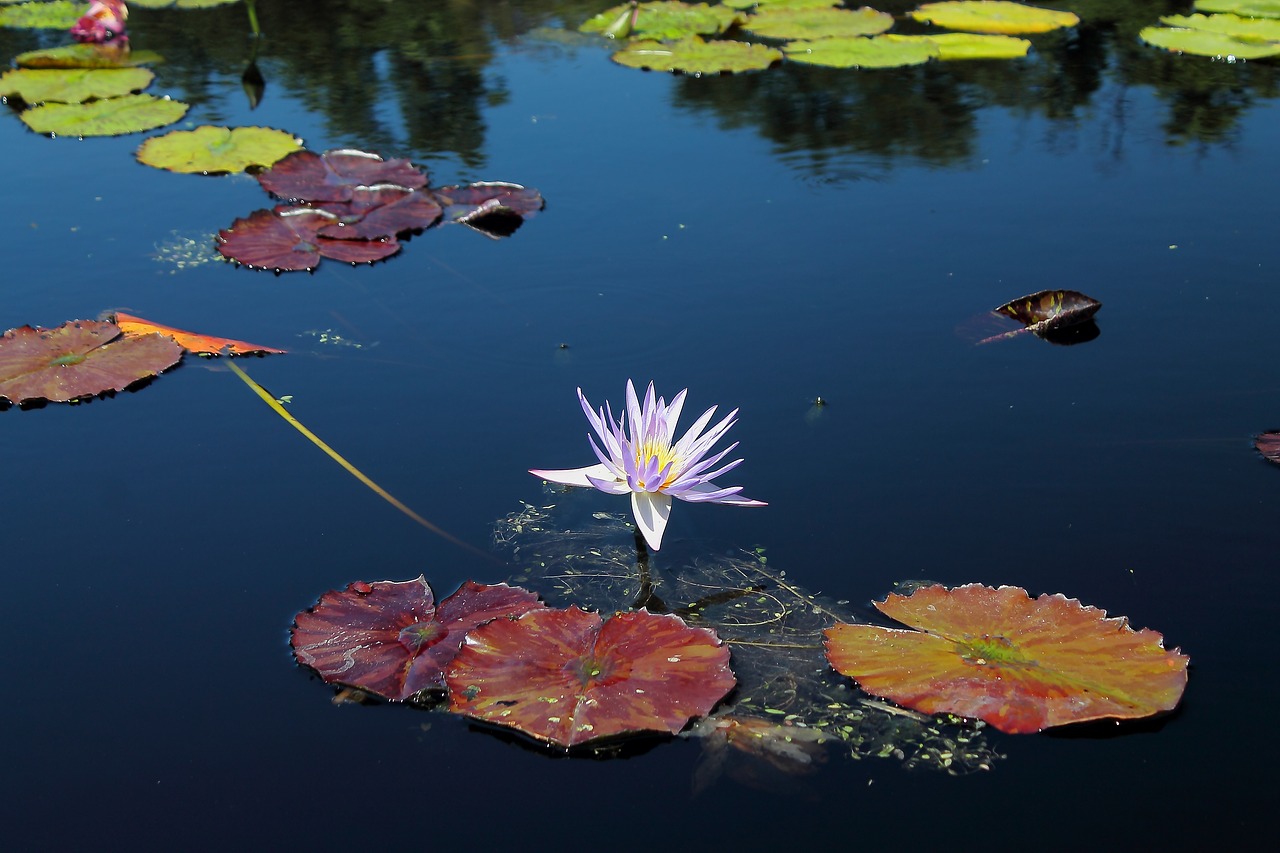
x,y
955,46
667,19
382,210
80,358
1268,445
52,15
487,198
332,176
777,23
861,52
287,239
1019,663
780,4
1244,8
87,56
694,56
181,4
110,117
190,341
993,16
1046,313
390,638
73,85
208,149
1202,43
1245,29
568,676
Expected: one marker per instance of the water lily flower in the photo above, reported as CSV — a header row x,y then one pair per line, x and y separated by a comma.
x,y
646,462
102,22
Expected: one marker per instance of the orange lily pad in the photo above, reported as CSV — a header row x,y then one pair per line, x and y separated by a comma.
x,y
390,638
80,358
1019,663
569,676
190,341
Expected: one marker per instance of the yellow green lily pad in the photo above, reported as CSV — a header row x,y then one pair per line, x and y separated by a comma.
x,y
667,19
217,149
694,56
993,16
817,23
72,85
110,117
55,15
1202,43
780,4
862,52
953,46
1244,8
180,4
87,56
1245,29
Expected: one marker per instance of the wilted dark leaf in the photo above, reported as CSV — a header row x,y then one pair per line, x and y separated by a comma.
x,y
1048,314
389,637
287,238
332,176
80,358
1268,445
567,676
487,198
382,210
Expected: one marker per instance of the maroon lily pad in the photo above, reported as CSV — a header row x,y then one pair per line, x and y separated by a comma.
x,y
1019,663
382,210
80,358
389,637
334,175
495,208
1046,312
568,676
1268,445
288,238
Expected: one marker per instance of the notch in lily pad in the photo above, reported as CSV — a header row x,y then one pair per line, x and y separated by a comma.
x,y
1021,664
389,638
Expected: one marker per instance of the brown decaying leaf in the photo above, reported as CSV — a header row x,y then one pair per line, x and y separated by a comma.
x,y
1268,445
190,341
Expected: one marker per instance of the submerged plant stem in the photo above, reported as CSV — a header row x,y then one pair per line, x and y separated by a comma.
x,y
353,470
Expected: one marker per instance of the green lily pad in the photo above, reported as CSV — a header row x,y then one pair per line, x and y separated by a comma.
x,y
217,149
73,85
861,52
817,23
1202,43
180,4
952,46
780,4
667,19
111,117
87,56
1245,8
1245,29
993,16
695,56
55,15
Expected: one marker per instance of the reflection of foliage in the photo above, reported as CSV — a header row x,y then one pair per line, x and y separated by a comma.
x,y
773,627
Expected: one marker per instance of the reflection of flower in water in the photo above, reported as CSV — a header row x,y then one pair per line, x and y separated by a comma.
x,y
644,462
103,22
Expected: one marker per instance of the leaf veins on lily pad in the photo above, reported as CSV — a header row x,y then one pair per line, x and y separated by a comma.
x,y
72,85
334,175
209,149
190,341
382,210
692,55
390,638
1019,663
569,676
108,117
993,16
288,239
80,358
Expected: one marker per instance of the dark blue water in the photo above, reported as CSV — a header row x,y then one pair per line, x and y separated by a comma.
x,y
713,234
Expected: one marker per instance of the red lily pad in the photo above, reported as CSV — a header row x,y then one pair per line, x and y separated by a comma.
x,y
382,210
1268,445
190,341
569,676
494,208
389,637
288,238
334,175
1020,664
80,358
